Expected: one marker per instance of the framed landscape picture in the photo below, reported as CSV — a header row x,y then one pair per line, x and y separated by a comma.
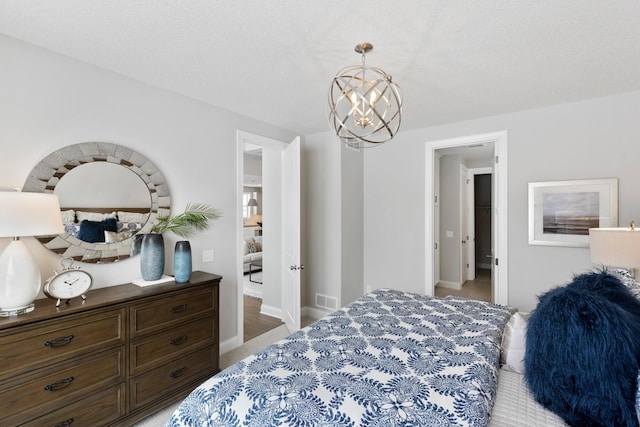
x,y
562,212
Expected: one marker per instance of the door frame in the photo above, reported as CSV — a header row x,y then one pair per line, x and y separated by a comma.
x,y
243,137
500,189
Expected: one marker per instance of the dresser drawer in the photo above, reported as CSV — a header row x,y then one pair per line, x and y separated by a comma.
x,y
97,410
172,309
62,384
167,379
163,347
26,349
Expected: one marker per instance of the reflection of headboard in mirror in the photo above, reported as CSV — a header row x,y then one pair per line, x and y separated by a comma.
x,y
128,221
53,168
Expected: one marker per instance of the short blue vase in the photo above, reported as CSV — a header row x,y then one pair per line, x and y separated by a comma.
x,y
152,256
182,262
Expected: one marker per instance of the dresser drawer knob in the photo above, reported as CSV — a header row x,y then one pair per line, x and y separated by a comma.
x,y
65,423
59,342
179,308
59,385
178,373
179,340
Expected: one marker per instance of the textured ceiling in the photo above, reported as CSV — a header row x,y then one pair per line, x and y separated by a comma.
x,y
273,60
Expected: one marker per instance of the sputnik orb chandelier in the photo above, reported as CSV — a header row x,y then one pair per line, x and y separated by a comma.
x,y
365,106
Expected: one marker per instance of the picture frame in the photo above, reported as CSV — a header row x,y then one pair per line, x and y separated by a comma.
x,y
561,212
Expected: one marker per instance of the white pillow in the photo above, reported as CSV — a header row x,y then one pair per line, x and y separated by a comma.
x,y
68,216
245,245
514,341
94,216
132,217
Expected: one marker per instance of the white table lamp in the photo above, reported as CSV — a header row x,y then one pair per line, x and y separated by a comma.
x,y
616,247
24,214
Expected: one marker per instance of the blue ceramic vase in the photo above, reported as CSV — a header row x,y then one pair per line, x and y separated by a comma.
x,y
182,261
152,256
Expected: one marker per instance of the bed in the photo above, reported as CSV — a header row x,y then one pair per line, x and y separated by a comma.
x,y
389,358
398,359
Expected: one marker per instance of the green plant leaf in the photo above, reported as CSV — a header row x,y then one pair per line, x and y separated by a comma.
x,y
196,217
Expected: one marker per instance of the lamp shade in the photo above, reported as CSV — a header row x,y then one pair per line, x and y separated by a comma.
x,y
252,202
615,247
29,214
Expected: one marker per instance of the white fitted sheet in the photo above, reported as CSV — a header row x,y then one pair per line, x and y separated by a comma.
x,y
515,406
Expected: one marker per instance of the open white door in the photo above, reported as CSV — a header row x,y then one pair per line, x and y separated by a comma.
x,y
292,266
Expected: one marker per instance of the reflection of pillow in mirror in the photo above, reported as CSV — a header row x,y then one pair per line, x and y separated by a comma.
x,y
93,231
94,216
132,227
114,237
132,217
68,216
72,229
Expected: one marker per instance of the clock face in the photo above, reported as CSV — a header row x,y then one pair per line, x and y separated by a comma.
x,y
68,284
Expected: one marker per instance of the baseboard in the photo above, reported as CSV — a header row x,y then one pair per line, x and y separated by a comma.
x,y
449,285
230,344
268,310
314,313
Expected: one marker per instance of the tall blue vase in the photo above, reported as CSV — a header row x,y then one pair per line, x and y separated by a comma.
x,y
152,256
182,261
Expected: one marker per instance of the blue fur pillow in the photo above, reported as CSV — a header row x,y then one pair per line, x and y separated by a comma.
x,y
93,231
608,286
583,351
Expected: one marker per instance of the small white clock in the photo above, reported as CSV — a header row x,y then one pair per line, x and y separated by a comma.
x,y
68,283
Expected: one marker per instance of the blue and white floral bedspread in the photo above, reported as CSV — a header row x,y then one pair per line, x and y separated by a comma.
x,y
388,359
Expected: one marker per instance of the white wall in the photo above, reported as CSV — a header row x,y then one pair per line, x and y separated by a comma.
x,y
50,101
591,139
321,217
351,202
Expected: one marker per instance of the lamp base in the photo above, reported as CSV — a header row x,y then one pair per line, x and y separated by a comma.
x,y
7,312
19,279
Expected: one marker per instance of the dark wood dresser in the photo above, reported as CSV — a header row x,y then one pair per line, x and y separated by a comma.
x,y
121,355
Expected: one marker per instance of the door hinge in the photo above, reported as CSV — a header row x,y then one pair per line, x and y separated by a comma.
x,y
435,246
496,261
497,159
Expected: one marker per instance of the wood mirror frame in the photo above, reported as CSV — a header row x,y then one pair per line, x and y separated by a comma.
x,y
45,176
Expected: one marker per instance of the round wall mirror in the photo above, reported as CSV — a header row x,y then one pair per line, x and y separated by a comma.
x,y
108,194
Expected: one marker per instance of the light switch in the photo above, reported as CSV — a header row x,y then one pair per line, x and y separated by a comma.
x,y
449,233
207,256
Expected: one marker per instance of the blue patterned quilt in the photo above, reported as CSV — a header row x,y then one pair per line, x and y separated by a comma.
x,y
388,359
